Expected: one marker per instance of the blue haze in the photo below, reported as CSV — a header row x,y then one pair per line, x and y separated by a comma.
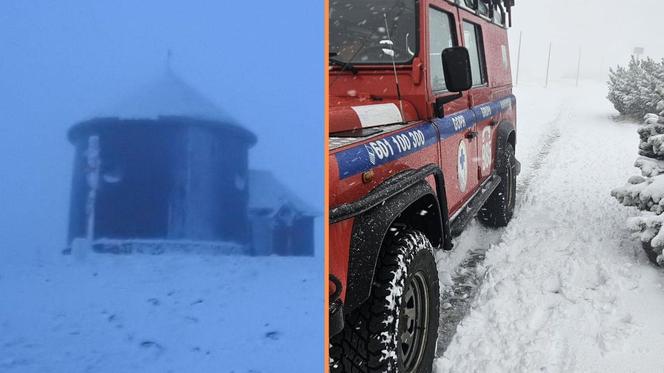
x,y
61,61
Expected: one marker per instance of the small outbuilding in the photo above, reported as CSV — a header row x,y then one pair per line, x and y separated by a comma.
x,y
282,224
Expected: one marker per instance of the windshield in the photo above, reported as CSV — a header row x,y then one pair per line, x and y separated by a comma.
x,y
358,26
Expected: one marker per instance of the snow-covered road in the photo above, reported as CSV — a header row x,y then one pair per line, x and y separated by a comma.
x,y
564,287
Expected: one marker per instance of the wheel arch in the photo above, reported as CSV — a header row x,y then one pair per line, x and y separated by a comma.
x,y
506,135
371,230
422,215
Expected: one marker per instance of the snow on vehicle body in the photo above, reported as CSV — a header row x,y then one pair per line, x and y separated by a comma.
x,y
422,137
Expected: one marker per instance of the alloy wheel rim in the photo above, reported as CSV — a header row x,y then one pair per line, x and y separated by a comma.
x,y
413,322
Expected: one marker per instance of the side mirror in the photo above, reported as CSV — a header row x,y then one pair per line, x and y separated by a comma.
x,y
456,68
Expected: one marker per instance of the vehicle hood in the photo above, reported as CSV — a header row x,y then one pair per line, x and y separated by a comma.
x,y
348,114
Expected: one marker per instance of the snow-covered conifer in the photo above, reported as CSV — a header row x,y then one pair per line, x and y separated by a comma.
x,y
646,192
637,89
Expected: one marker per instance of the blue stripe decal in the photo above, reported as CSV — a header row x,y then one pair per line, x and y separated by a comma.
x,y
450,126
364,157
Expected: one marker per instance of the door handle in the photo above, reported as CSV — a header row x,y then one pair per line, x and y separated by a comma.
x,y
471,135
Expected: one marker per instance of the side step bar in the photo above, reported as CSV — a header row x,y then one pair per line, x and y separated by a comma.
x,y
470,210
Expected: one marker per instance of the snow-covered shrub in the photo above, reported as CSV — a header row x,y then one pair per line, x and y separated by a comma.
x,y
637,89
646,192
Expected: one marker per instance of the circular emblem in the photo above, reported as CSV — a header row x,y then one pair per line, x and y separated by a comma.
x,y
486,148
462,166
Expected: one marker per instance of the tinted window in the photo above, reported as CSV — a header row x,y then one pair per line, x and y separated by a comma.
x,y
441,36
472,36
358,27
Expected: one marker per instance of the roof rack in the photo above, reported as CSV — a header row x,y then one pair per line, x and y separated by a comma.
x,y
492,5
506,4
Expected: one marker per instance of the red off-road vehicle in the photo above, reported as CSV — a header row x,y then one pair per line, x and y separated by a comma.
x,y
422,139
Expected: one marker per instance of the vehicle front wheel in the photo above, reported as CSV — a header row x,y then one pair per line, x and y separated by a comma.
x,y
499,208
396,329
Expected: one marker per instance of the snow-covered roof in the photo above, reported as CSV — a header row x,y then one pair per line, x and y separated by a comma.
x,y
168,95
267,193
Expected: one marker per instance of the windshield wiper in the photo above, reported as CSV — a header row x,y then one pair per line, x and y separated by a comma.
x,y
345,66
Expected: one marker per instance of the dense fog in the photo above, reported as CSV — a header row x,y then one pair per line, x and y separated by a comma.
x,y
606,32
63,61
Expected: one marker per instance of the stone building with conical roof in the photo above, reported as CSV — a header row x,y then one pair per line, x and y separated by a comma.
x,y
165,168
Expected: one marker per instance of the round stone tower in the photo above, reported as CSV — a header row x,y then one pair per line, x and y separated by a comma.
x,y
165,166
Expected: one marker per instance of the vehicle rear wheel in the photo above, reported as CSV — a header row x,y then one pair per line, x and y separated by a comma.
x,y
396,329
499,208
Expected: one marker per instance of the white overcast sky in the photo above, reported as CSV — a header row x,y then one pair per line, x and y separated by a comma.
x,y
606,31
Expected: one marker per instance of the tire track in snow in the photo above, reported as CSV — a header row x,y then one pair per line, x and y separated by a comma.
x,y
457,299
546,142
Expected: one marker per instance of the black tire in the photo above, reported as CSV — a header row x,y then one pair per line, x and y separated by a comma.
x,y
382,335
499,208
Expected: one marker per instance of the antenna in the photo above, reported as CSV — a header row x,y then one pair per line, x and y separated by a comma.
x,y
389,51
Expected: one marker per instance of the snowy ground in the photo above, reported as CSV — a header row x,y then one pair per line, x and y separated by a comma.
x,y
564,287
164,313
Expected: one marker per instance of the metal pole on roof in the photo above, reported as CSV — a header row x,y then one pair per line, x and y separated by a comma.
x,y
518,58
548,65
578,68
